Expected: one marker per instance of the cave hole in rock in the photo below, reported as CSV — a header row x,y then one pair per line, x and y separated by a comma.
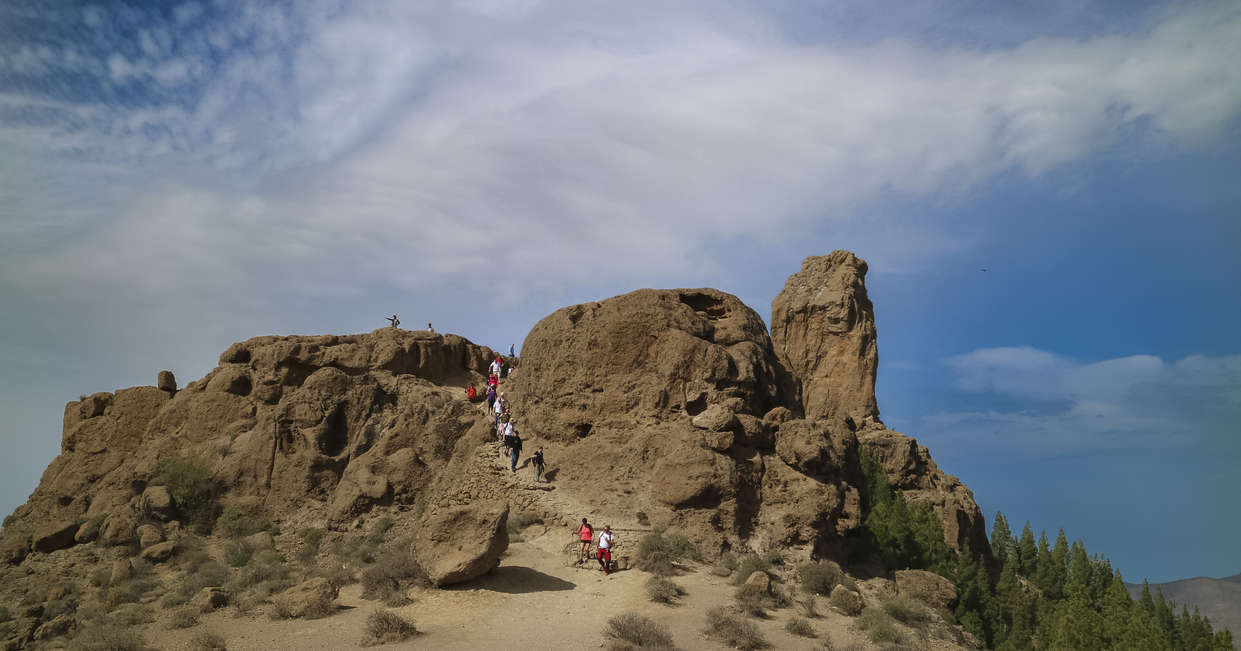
x,y
697,405
336,432
582,430
709,305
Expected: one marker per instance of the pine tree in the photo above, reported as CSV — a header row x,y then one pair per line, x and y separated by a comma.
x,y
1060,566
1001,538
1027,553
1044,575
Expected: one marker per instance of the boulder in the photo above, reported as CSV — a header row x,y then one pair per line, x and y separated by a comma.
x,y
13,549
848,601
307,597
157,501
231,379
166,381
56,535
159,552
210,598
927,587
823,326
122,569
461,543
119,528
759,580
149,534
718,417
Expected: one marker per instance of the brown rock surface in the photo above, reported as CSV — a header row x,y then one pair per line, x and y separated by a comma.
x,y
461,543
823,325
210,598
159,552
55,535
849,601
927,587
166,381
304,598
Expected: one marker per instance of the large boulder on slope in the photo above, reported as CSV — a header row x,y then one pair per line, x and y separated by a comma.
x,y
461,543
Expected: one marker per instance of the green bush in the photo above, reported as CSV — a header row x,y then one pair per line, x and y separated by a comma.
x,y
801,627
638,631
659,552
661,590
192,487
733,630
387,627
897,533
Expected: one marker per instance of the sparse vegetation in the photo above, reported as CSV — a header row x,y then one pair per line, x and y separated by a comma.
x,y
642,518
390,577
801,627
201,572
90,529
311,537
376,536
182,618
208,641
821,576
106,637
750,563
387,627
662,590
733,630
880,626
191,486
236,521
755,602
638,631
660,551
807,607
845,604
57,607
906,610
238,553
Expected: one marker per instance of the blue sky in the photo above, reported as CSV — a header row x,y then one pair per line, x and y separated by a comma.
x,y
179,176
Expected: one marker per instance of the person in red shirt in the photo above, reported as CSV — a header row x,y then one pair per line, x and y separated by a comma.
x,y
586,534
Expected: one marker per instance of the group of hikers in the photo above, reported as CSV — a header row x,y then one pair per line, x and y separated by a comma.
x,y
603,547
499,409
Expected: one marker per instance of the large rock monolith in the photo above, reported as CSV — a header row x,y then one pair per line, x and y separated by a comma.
x,y
461,543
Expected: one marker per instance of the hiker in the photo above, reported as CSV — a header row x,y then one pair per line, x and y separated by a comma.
x,y
606,540
514,444
430,328
493,380
538,464
585,534
471,393
499,408
491,398
497,367
512,348
393,320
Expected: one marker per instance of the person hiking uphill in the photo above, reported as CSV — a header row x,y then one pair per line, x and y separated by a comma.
x,y
606,540
497,367
538,464
585,534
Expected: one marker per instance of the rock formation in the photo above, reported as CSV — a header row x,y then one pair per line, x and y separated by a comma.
x,y
823,326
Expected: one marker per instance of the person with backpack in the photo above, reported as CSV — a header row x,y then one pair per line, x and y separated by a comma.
x,y
491,398
606,541
585,534
538,464
514,445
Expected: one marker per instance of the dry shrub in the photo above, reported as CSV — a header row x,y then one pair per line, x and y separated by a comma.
x,y
106,637
238,553
391,576
200,574
638,631
807,607
321,607
182,618
720,570
660,551
376,536
265,568
820,577
236,521
733,631
751,563
131,615
755,602
906,609
799,626
311,538
208,641
880,625
842,602
662,590
386,627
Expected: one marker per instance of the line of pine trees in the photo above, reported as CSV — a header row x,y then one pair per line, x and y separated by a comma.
x,y
1043,597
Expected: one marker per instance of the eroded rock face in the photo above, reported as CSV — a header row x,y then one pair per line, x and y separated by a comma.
x,y
461,543
823,326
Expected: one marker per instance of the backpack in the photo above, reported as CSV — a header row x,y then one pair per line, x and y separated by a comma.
x,y
504,417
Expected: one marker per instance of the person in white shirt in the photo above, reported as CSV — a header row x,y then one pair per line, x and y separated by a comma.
x,y
604,553
496,367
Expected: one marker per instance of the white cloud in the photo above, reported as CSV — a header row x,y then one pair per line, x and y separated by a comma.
x,y
1060,404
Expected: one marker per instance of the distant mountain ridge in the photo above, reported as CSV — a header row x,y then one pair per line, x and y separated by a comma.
x,y
1217,599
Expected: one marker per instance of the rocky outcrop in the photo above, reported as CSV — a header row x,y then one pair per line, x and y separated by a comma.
x,y
461,543
823,326
927,587
313,598
910,468
166,381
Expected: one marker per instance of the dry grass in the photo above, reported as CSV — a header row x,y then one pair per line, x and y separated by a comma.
x,y
311,538
387,627
238,553
845,604
208,641
392,574
182,618
638,631
663,591
106,637
799,626
906,610
751,563
880,626
733,630
659,552
755,602
821,576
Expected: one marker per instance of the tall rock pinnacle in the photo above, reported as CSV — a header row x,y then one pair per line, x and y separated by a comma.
x,y
823,326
